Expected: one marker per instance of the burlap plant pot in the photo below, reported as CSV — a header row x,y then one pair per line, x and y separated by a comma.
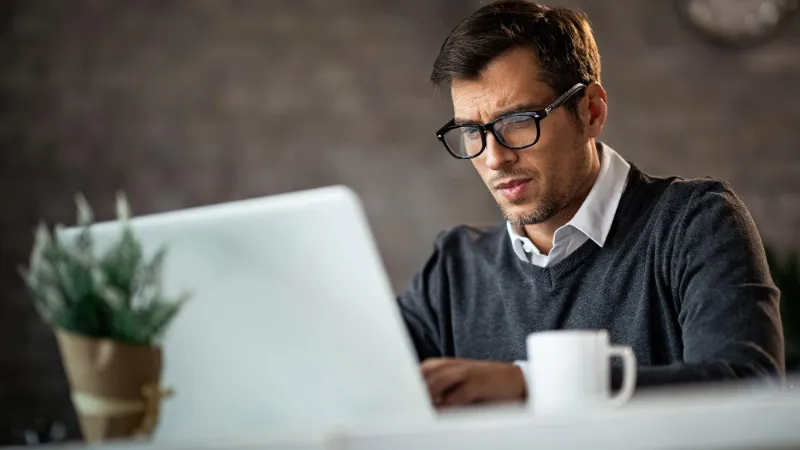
x,y
114,387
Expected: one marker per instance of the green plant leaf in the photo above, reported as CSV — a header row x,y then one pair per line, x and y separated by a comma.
x,y
121,263
74,289
123,208
785,271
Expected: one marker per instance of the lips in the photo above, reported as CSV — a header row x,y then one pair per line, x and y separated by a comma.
x,y
513,189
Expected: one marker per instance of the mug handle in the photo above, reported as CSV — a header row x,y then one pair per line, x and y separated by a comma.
x,y
629,374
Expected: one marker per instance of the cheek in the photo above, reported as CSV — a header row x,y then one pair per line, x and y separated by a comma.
x,y
555,152
480,167
560,129
547,165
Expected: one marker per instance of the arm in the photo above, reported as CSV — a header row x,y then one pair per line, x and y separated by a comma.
x,y
451,381
728,305
420,305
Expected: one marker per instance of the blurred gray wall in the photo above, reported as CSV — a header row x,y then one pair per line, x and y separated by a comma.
x,y
192,102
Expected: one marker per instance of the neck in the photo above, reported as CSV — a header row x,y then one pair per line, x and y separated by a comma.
x,y
542,234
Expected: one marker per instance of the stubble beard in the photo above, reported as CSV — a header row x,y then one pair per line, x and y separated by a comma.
x,y
545,208
543,211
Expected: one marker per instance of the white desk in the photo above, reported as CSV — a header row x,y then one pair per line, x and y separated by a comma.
x,y
738,417
678,420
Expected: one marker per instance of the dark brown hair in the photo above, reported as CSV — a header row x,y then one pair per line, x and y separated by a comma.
x,y
560,40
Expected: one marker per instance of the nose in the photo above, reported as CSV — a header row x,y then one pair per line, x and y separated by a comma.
x,y
495,155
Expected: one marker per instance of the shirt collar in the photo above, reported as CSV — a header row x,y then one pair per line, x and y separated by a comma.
x,y
596,214
520,243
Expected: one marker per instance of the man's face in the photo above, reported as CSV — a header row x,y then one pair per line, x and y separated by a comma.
x,y
533,184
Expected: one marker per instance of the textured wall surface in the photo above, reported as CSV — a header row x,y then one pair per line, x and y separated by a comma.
x,y
191,102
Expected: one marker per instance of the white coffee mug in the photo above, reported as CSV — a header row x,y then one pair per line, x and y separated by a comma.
x,y
568,371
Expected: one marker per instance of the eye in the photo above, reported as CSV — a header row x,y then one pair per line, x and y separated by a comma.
x,y
471,133
518,121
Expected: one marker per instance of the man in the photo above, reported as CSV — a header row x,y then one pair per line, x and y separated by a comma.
x,y
674,268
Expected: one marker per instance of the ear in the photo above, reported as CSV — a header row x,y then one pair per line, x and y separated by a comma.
x,y
595,109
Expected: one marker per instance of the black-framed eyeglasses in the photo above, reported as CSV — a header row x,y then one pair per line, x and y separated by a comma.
x,y
514,131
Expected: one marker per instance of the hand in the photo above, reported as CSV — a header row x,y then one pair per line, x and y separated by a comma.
x,y
453,381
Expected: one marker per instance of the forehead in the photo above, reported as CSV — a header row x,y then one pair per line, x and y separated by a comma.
x,y
509,80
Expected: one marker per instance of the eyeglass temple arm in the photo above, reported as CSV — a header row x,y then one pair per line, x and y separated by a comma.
x,y
564,97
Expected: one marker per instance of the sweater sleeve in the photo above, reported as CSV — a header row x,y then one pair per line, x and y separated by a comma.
x,y
421,305
728,306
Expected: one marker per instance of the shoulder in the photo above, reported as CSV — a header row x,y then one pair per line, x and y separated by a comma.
x,y
693,189
675,208
678,196
465,239
456,252
703,198
700,210
680,189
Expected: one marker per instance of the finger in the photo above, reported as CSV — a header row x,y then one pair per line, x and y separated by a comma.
x,y
432,365
462,394
446,378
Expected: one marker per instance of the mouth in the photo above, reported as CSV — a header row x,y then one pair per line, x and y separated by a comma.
x,y
513,189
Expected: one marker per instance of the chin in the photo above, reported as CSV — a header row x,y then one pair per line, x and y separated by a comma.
x,y
517,212
528,212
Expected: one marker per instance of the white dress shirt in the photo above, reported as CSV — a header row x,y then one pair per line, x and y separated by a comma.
x,y
592,221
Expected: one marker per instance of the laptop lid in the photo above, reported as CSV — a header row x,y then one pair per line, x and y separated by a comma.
x,y
292,321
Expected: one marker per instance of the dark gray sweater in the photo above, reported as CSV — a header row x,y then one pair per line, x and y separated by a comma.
x,y
682,278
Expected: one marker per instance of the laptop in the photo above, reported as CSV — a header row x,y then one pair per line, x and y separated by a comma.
x,y
292,323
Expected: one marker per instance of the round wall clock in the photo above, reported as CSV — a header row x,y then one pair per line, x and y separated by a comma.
x,y
737,23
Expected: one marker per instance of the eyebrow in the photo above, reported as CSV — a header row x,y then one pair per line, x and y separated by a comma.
x,y
523,107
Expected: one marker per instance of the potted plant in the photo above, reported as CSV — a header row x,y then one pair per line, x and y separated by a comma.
x,y
109,314
786,275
